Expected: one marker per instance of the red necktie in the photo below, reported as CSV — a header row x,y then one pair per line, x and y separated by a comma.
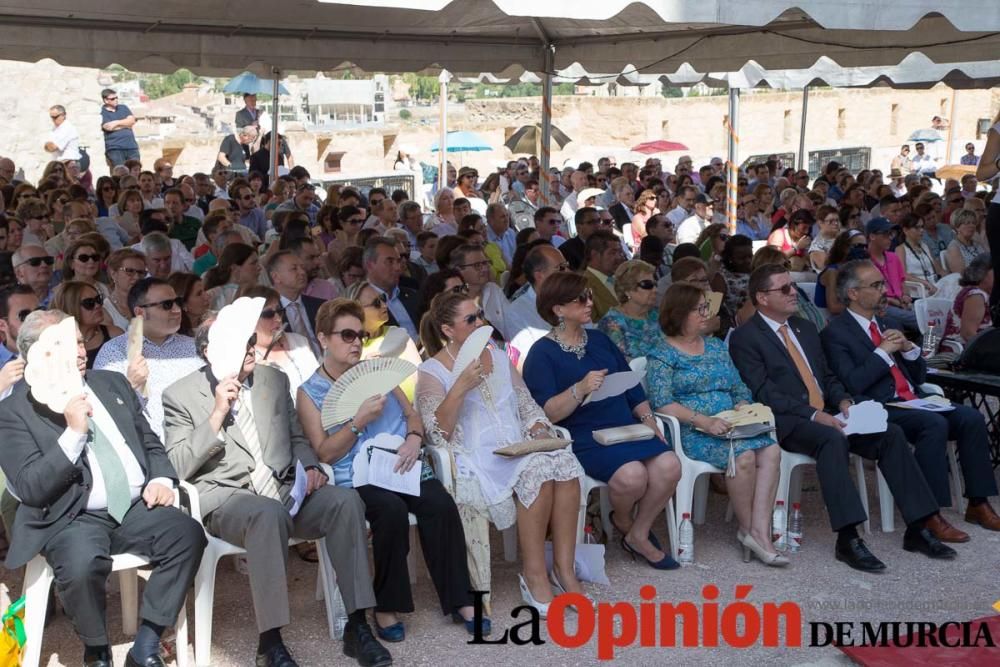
x,y
902,386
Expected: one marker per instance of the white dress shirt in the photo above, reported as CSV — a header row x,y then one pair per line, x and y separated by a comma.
x,y
865,324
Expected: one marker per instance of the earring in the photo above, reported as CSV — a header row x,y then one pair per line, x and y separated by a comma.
x,y
561,327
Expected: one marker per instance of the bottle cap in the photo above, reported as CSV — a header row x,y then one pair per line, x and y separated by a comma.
x,y
686,515
795,506
781,502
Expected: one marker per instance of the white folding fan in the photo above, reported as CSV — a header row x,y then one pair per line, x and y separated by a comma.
x,y
371,377
472,348
393,344
228,335
134,349
51,369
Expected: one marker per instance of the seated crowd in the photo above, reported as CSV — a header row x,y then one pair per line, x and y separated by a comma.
x,y
610,266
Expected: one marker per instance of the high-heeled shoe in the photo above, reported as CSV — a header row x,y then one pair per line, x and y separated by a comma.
x,y
651,537
529,599
772,559
665,563
740,536
559,588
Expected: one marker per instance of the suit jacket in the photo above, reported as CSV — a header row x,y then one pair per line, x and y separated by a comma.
x,y
604,297
768,371
573,251
244,118
311,305
617,211
411,302
218,467
54,490
865,374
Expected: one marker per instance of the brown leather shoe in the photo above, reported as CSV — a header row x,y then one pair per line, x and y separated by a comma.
x,y
946,532
983,515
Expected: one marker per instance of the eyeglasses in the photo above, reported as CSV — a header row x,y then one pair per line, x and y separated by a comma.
x,y
478,266
23,314
378,302
646,284
190,200
479,315
86,259
110,99
877,285
269,313
132,273
703,308
166,305
785,289
563,266
90,303
586,296
38,261
460,289
350,335
247,197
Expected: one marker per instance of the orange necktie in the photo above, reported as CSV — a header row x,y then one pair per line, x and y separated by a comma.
x,y
815,395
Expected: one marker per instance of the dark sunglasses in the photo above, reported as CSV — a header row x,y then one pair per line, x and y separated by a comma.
x,y
166,305
586,296
23,314
378,302
134,273
479,315
785,289
646,284
38,261
269,313
350,335
85,258
460,289
92,302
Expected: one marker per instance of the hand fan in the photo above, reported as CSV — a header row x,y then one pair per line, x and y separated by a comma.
x,y
134,349
754,413
228,336
393,344
371,377
472,348
51,370
714,303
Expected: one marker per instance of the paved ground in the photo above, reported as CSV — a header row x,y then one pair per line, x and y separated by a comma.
x,y
913,588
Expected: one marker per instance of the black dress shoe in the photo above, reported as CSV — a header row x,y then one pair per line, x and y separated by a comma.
x,y
151,661
360,644
276,656
922,540
856,554
99,661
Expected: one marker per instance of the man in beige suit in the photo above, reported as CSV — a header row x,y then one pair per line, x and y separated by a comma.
x,y
238,440
604,254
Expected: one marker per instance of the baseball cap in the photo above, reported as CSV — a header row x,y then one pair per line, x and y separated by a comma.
x,y
467,171
878,226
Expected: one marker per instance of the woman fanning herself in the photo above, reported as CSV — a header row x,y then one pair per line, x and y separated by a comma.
x,y
484,408
276,347
338,327
691,377
561,370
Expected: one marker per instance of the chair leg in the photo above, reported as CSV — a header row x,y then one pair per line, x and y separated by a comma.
x,y
204,599
332,600
510,544
128,582
684,497
181,641
700,499
581,516
886,504
672,528
37,582
957,483
411,557
605,500
859,468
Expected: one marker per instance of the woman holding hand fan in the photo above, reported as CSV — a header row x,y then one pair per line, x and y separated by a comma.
x,y
473,402
340,330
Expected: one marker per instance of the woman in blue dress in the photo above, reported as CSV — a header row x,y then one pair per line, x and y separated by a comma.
x,y
691,377
635,322
565,366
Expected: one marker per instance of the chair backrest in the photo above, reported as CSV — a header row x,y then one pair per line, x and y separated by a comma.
x,y
639,366
809,289
948,287
932,312
914,289
627,234
944,261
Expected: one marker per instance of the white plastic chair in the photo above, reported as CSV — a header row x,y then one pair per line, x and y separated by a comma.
x,y
627,236
810,290
204,584
504,277
944,261
914,289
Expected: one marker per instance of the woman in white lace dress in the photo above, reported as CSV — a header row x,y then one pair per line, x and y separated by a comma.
x,y
472,414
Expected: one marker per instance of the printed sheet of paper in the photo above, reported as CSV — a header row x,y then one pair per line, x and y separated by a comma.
x,y
614,384
298,494
865,417
380,473
931,404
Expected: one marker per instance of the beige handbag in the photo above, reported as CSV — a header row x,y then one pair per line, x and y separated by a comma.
x,y
532,446
620,434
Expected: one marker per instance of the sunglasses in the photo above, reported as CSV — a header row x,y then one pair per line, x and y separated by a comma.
x,y
350,335
23,314
110,99
85,258
378,302
133,273
460,289
478,316
38,261
785,289
90,303
478,266
166,305
586,296
108,188
269,313
646,284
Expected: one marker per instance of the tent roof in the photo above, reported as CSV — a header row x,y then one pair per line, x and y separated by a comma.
x,y
471,36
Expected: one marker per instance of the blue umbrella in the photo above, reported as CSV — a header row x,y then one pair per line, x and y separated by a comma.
x,y
249,83
461,142
927,135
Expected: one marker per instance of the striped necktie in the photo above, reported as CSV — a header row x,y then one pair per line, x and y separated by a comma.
x,y
261,478
116,487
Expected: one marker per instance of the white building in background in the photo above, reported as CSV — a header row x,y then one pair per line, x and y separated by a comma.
x,y
345,102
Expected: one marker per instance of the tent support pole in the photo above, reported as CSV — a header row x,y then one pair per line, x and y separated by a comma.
x,y
544,159
951,129
732,172
275,139
443,79
801,161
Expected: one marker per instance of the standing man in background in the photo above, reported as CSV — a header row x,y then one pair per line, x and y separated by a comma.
x,y
116,123
64,142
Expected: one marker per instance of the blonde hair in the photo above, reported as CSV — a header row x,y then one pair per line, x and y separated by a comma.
x,y
627,277
443,310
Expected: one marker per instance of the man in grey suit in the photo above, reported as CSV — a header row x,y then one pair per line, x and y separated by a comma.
x,y
238,440
93,481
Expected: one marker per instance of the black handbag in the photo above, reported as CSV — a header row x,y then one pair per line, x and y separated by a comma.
x,y
982,354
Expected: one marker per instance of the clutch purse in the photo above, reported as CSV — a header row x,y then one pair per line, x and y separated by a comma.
x,y
619,434
532,446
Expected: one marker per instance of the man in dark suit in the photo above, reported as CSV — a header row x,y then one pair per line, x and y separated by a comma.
x,y
621,210
289,277
781,360
587,220
94,480
383,267
875,361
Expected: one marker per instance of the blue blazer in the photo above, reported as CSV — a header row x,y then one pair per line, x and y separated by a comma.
x,y
851,353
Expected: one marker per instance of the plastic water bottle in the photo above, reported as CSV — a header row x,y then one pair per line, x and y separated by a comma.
x,y
778,524
795,529
588,535
685,545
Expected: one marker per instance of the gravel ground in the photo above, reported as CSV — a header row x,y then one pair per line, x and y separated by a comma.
x,y
912,588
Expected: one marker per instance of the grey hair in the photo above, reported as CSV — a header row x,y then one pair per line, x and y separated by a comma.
x,y
58,107
201,333
155,242
397,234
220,240
847,277
34,324
370,254
963,216
787,195
976,270
248,131
408,207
